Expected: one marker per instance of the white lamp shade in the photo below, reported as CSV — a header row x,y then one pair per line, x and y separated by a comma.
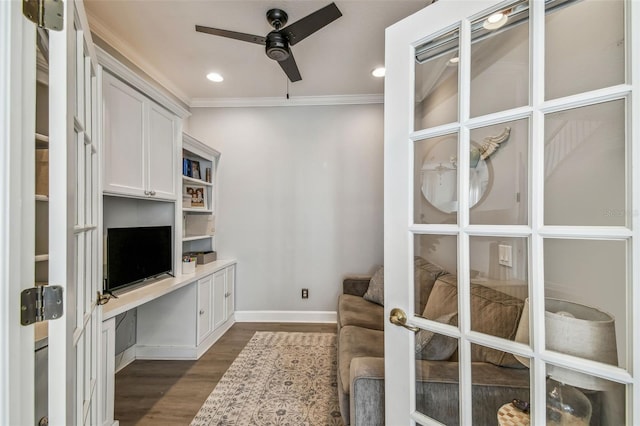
x,y
578,330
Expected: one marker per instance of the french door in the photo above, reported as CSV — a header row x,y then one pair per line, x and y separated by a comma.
x,y
512,141
73,215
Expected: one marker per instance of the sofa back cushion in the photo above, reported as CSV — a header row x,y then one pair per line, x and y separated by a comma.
x,y
375,292
425,276
492,312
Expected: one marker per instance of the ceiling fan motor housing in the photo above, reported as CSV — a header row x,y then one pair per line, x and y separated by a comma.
x,y
277,18
277,47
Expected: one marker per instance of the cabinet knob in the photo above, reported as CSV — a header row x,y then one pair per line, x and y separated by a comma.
x,y
201,311
146,192
227,294
152,192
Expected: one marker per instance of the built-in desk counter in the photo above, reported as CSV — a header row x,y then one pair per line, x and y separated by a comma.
x,y
135,297
177,318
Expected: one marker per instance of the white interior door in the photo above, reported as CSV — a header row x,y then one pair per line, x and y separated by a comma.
x,y
17,207
527,108
73,221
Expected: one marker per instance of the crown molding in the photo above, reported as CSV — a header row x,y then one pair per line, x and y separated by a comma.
x,y
123,48
121,71
282,102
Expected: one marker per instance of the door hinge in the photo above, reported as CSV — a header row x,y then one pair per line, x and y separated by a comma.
x,y
45,13
41,303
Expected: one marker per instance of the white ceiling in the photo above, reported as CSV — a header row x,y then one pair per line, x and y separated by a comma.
x,y
159,37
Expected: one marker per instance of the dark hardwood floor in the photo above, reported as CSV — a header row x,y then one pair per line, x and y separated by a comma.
x,y
172,392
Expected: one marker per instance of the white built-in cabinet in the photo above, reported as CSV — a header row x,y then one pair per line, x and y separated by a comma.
x,y
215,301
177,317
140,143
205,307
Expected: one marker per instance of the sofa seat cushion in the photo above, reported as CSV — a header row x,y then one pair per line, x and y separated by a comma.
x,y
357,342
354,310
492,312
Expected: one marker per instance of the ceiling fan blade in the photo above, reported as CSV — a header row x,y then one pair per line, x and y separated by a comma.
x,y
232,34
308,25
290,68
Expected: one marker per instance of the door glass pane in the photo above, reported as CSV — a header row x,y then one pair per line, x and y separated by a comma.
x,y
436,81
497,291
435,266
584,46
588,280
498,174
437,376
585,166
500,263
436,180
494,389
578,399
500,60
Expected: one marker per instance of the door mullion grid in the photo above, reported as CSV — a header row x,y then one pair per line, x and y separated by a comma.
x,y
633,114
536,174
465,400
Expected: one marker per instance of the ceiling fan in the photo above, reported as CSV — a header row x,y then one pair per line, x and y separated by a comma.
x,y
277,42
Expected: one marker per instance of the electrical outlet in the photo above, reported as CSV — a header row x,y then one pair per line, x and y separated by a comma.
x,y
305,293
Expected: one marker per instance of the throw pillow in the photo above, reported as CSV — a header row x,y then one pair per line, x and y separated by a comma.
x,y
375,292
437,347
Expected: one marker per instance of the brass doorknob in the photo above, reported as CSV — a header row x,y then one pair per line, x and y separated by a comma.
x,y
398,317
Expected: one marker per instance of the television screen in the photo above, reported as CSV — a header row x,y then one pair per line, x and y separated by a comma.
x,y
135,254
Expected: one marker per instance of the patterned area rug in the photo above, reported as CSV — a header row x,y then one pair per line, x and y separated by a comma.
x,y
284,379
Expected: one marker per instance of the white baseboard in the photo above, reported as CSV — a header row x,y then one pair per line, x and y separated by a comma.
x,y
166,352
125,358
182,352
213,337
287,316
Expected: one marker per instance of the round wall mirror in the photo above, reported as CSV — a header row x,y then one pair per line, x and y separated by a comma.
x,y
439,174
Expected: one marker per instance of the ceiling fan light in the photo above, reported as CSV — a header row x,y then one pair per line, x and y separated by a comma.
x,y
215,77
378,72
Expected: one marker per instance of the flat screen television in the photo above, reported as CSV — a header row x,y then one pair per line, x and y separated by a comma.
x,y
137,254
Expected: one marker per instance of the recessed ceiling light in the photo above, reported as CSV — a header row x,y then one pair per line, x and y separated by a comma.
x,y
378,72
214,76
495,21
454,60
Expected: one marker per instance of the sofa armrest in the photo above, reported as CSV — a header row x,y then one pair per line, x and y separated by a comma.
x,y
437,390
356,285
366,391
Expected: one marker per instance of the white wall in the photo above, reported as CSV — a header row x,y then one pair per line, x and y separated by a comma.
x,y
300,199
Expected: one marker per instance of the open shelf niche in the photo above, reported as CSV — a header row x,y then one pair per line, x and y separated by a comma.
x,y
199,167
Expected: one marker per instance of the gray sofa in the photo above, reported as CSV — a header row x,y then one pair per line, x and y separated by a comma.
x,y
498,377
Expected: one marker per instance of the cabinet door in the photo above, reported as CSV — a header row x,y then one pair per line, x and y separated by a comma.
x,y
219,301
123,130
230,291
205,307
162,153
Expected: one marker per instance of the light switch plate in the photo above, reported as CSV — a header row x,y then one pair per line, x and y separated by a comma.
x,y
505,255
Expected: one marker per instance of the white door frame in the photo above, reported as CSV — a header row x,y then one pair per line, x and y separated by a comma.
x,y
17,220
17,210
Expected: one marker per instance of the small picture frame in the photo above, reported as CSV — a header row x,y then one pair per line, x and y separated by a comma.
x,y
198,195
195,169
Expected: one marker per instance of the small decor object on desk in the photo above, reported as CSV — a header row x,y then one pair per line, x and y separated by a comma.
x,y
510,415
188,265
